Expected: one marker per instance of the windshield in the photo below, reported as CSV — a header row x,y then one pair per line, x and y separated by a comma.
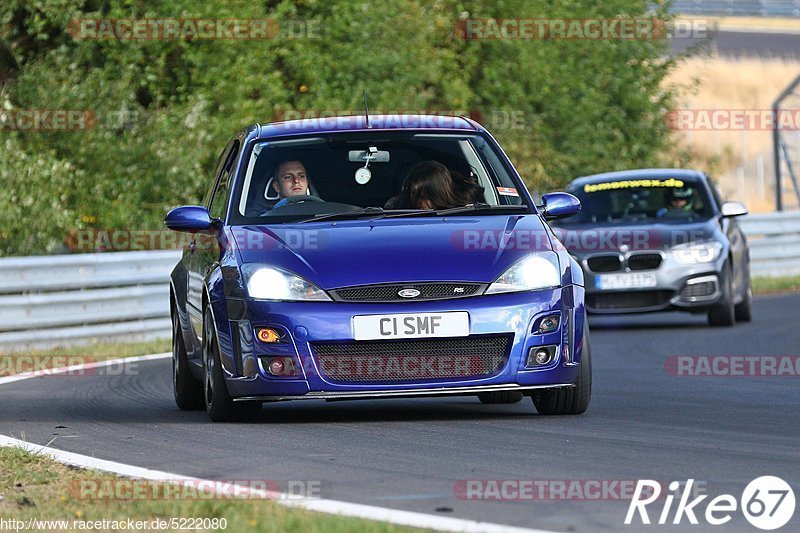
x,y
640,200
349,175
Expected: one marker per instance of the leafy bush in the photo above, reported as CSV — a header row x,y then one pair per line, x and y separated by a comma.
x,y
166,108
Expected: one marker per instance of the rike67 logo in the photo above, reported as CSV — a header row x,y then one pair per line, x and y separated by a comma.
x,y
767,503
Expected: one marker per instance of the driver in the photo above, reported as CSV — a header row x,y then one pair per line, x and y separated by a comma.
x,y
290,180
680,202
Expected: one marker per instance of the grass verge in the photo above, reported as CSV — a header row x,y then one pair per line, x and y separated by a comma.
x,y
37,360
34,487
109,350
776,285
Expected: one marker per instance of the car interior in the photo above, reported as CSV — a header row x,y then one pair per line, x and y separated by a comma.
x,y
635,204
331,170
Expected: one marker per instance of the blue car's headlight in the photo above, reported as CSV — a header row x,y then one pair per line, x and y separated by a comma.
x,y
266,282
696,252
536,271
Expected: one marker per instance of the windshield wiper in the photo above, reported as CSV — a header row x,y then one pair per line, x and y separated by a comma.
x,y
481,207
343,214
392,213
409,213
455,210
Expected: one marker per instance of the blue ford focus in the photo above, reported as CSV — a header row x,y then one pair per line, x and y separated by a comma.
x,y
374,257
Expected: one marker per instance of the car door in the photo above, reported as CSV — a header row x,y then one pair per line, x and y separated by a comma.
x,y
203,250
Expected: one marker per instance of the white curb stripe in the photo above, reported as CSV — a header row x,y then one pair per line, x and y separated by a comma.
x,y
368,512
77,368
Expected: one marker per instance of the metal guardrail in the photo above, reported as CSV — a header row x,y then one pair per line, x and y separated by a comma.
x,y
73,299
762,8
774,240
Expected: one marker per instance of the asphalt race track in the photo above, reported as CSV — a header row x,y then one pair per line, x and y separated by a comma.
x,y
409,454
764,44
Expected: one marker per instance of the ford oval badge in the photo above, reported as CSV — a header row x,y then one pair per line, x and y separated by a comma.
x,y
408,293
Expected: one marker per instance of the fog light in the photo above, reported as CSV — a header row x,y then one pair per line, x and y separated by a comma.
x,y
548,324
268,335
540,355
281,366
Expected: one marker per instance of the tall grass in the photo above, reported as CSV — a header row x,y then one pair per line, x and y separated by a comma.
x,y
733,84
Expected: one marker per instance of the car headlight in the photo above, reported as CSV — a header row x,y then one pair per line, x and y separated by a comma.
x,y
696,252
269,283
536,271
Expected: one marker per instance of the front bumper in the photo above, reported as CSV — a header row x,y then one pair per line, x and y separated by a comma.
x,y
693,288
306,324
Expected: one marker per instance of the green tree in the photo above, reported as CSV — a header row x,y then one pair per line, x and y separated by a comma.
x,y
166,107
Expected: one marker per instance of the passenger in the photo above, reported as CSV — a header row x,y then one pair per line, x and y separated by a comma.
x,y
467,189
430,186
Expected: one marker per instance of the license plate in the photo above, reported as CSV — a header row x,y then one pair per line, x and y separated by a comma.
x,y
632,280
411,326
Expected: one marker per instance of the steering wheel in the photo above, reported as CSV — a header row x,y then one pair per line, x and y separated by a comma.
x,y
289,200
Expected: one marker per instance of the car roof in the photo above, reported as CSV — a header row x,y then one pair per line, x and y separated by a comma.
x,y
643,173
358,123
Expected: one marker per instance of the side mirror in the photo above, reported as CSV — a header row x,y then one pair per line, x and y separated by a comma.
x,y
733,209
189,218
559,205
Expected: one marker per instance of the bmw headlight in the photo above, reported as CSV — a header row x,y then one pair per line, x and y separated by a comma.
x,y
536,271
269,283
696,252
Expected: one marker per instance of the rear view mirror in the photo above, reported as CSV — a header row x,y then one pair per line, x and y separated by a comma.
x,y
373,155
733,209
559,205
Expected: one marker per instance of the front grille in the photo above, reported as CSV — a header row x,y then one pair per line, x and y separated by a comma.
x,y
698,290
644,261
390,292
604,263
412,360
627,300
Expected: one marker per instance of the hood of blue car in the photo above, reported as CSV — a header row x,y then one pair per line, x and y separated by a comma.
x,y
362,252
582,240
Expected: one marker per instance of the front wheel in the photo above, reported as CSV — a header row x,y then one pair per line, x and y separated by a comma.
x,y
744,309
504,396
219,404
724,314
574,400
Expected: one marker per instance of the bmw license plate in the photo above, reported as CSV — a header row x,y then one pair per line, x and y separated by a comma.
x,y
629,280
411,326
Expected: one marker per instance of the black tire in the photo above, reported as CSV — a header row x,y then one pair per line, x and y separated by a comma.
x,y
218,402
188,391
574,400
723,314
743,311
504,396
